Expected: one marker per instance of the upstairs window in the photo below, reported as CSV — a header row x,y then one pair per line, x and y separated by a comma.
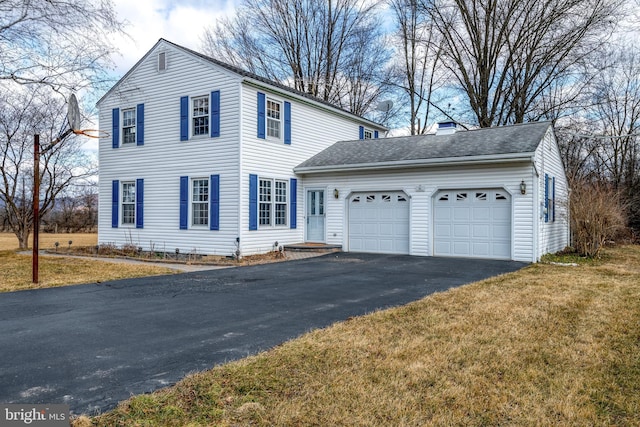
x,y
368,134
274,118
200,115
129,126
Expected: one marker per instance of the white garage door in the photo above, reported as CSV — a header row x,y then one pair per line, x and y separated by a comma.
x,y
473,223
379,222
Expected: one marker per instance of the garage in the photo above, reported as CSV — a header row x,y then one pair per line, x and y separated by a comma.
x,y
379,222
472,223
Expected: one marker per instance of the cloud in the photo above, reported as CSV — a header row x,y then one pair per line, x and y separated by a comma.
x,y
149,20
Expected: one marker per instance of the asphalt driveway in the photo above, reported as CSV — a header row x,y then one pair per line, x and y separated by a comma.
x,y
93,345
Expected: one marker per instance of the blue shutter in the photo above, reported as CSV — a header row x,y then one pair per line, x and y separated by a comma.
x,y
261,115
376,134
287,123
115,190
115,127
293,205
214,209
215,114
139,203
140,124
253,202
361,132
184,202
546,198
553,197
184,118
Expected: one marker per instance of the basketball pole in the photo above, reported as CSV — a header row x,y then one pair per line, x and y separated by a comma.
x,y
36,205
36,197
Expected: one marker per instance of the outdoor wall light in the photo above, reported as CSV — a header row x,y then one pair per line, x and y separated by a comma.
x,y
336,193
523,187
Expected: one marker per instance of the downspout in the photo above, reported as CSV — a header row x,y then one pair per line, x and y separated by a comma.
x,y
241,195
536,213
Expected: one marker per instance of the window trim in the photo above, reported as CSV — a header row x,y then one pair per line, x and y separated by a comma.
x,y
273,203
133,127
192,203
193,117
279,120
133,203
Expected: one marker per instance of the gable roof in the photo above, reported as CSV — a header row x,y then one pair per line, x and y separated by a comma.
x,y
498,144
247,76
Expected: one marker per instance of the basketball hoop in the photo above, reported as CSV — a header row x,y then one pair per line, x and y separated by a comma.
x,y
92,133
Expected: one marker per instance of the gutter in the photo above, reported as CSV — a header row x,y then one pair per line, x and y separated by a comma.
x,y
420,163
289,93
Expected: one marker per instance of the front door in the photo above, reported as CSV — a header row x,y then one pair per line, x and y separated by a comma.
x,y
315,216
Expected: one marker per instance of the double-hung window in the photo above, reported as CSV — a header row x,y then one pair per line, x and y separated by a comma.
x,y
281,203
265,202
129,203
274,118
368,134
200,202
129,126
200,115
273,201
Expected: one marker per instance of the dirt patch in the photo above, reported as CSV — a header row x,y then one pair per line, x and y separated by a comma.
x,y
136,253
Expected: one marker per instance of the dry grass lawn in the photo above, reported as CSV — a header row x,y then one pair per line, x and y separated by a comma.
x,y
16,269
549,346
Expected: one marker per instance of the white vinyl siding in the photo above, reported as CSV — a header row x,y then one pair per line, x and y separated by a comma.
x,y
421,186
165,158
552,236
236,154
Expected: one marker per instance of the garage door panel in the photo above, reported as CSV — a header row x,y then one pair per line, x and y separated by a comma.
x,y
461,214
461,248
481,231
443,230
379,222
481,214
442,212
461,231
472,223
481,249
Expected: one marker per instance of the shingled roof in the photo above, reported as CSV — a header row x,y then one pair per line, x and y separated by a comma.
x,y
507,143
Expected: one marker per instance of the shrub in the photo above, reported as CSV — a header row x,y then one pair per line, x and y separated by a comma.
x,y
597,216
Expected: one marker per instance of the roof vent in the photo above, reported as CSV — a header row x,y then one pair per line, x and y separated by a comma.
x,y
446,128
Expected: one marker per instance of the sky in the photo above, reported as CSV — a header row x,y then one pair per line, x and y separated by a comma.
x,y
182,22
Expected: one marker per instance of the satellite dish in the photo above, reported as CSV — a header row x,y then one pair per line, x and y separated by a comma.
x,y
73,113
385,106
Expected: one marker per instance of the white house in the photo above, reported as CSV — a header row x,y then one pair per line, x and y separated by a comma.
x,y
204,157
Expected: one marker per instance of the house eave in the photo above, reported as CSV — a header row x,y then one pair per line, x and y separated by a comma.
x,y
291,94
419,163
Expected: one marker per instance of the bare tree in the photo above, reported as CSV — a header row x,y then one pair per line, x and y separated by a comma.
x,y
23,114
331,49
419,49
60,43
505,55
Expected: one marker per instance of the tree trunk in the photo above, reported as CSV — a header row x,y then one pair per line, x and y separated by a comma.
x,y
23,239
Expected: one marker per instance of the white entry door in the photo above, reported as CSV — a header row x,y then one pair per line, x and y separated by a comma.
x,y
472,223
315,216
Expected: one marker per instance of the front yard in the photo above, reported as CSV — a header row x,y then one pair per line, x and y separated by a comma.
x,y
548,345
